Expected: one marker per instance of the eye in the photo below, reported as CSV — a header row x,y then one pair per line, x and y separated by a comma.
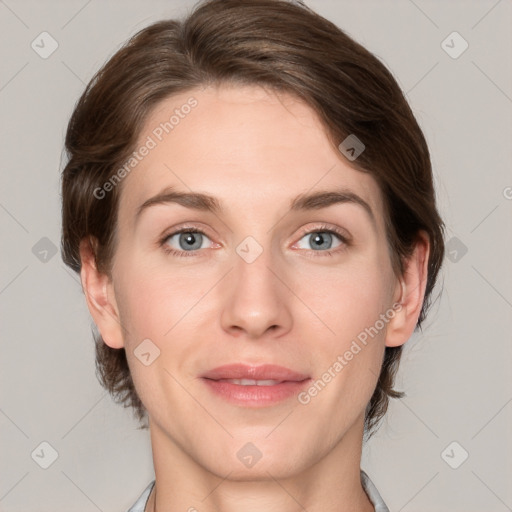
x,y
187,240
321,240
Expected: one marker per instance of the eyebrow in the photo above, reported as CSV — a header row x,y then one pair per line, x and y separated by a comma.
x,y
303,202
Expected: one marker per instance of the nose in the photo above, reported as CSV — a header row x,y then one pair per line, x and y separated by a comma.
x,y
256,299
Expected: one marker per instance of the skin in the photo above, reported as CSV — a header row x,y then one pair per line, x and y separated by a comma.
x,y
293,306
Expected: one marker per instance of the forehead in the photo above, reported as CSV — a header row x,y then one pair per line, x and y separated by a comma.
x,y
242,143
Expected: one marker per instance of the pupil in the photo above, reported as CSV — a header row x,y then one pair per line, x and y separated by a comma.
x,y
321,239
189,240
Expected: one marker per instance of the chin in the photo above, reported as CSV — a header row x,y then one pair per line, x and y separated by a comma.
x,y
250,458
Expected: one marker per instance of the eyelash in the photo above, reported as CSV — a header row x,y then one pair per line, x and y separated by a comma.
x,y
320,229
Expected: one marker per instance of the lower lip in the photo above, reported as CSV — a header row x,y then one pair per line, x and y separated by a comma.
x,y
256,396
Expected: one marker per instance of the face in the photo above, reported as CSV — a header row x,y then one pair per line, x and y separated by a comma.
x,y
269,315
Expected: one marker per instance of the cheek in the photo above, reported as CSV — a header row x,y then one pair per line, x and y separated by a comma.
x,y
154,299
347,299
348,354
152,307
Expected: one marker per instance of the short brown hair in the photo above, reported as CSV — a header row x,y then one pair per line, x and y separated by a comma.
x,y
279,45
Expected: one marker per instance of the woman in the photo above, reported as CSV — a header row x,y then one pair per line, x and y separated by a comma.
x,y
249,203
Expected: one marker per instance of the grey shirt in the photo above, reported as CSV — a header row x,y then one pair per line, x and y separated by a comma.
x,y
368,486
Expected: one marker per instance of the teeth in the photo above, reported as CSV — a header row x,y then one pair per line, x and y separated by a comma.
x,y
251,382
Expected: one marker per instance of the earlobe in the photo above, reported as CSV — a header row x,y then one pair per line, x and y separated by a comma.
x,y
413,284
100,297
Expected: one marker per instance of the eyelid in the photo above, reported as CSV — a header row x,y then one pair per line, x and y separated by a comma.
x,y
342,233
303,231
174,230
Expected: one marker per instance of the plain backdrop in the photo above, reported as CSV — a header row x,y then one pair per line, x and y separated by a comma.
x,y
446,446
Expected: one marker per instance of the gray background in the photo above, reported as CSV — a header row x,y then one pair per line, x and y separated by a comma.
x,y
457,373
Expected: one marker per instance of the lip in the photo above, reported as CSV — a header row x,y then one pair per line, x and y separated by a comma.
x,y
262,372
288,383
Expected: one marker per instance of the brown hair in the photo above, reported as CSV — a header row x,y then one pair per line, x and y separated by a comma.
x,y
276,44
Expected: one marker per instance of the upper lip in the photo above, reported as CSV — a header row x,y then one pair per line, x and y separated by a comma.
x,y
262,372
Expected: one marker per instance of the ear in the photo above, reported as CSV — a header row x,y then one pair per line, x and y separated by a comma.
x,y
409,294
99,294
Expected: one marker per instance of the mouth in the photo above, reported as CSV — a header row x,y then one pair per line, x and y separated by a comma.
x,y
254,386
251,382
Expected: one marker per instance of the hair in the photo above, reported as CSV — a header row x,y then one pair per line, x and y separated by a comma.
x,y
276,44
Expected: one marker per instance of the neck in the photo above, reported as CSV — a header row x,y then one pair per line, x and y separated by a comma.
x,y
332,483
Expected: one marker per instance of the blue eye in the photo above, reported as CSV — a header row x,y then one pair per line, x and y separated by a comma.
x,y
189,240
322,239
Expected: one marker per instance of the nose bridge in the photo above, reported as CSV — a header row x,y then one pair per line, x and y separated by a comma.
x,y
256,299
253,261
